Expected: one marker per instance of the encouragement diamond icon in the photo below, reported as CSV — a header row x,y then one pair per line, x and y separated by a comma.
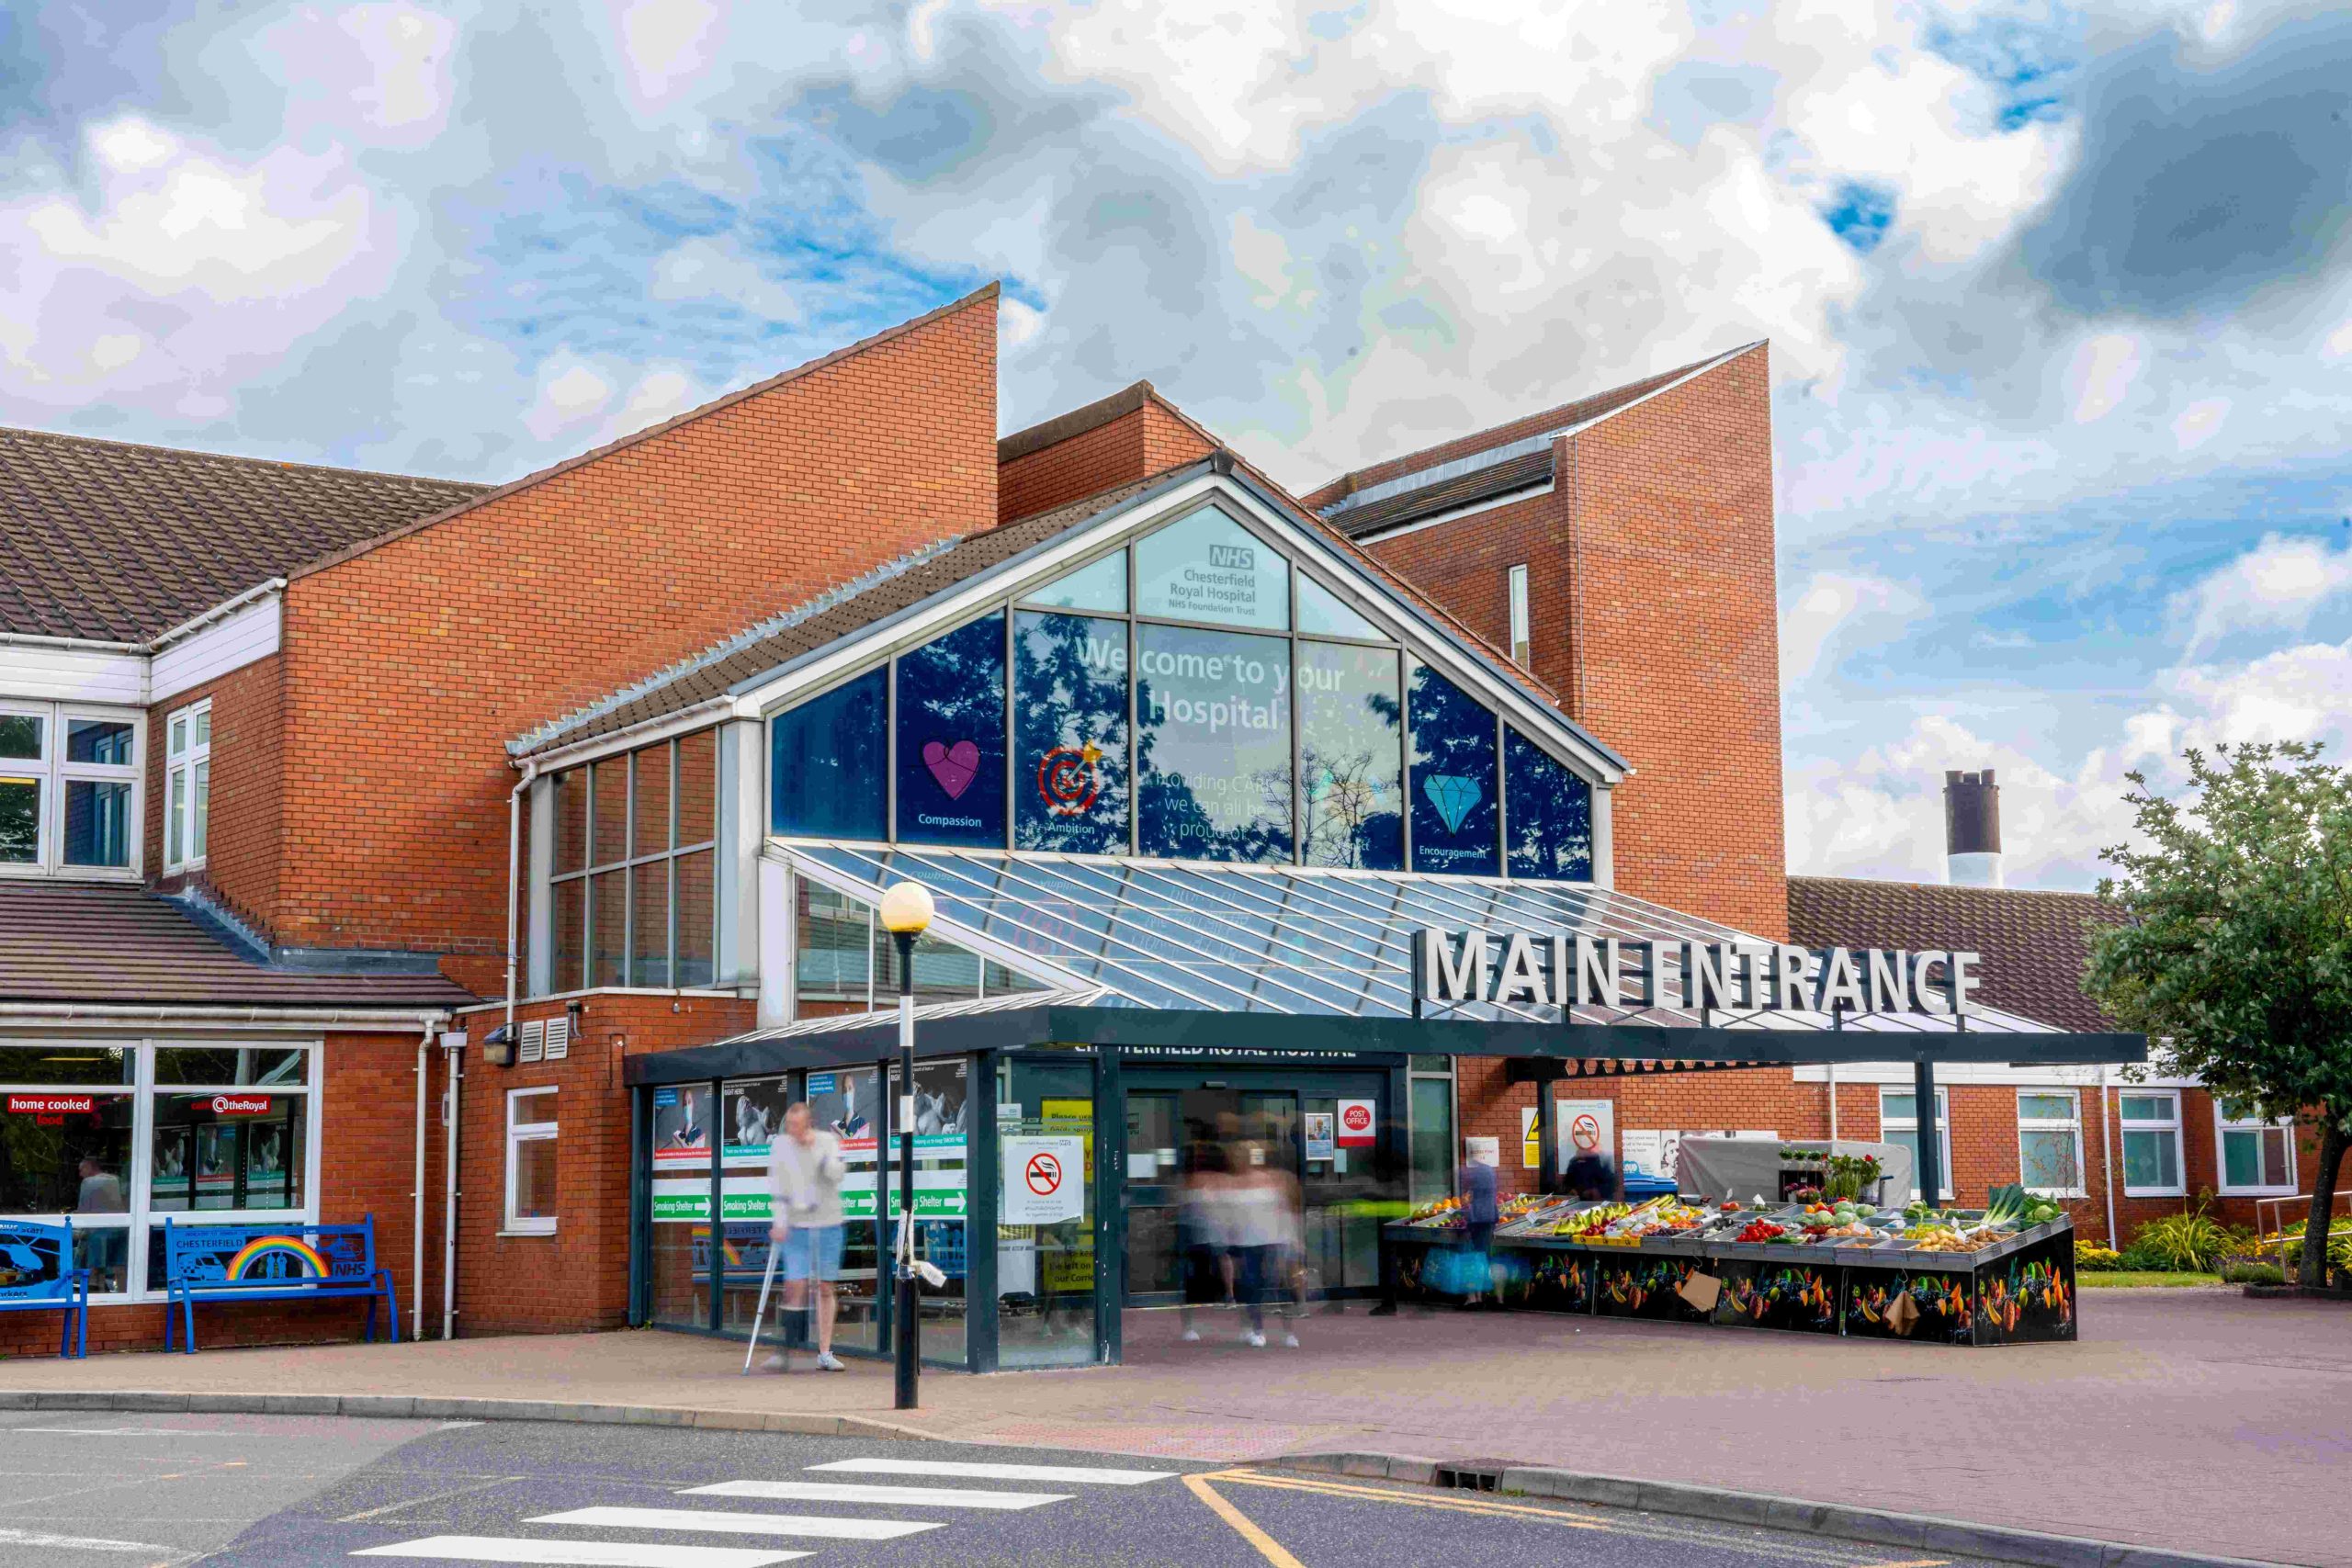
x,y
1453,796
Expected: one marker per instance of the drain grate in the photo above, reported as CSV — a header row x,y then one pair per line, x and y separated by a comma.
x,y
1470,1475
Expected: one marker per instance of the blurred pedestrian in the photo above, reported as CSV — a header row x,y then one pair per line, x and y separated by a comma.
x,y
1201,1231
1262,1209
805,1175
1476,1181
1592,1176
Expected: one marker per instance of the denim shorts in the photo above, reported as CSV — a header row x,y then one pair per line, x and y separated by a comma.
x,y
812,1252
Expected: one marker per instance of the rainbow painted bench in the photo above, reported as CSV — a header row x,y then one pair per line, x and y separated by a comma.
x,y
36,1274
271,1263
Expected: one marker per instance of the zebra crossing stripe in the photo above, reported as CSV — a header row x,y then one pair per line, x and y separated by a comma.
x,y
578,1553
884,1496
719,1521
1067,1474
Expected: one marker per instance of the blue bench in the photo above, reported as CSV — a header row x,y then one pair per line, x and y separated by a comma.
x,y
36,1274
271,1263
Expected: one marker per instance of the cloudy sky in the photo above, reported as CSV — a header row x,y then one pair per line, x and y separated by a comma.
x,y
2060,296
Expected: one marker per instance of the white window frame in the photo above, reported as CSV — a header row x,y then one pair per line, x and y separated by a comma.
x,y
142,1218
183,809
2223,1125
2072,1125
1522,639
2167,1125
1890,1124
52,773
519,1133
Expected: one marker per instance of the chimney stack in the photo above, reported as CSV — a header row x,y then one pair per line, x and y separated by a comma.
x,y
1972,830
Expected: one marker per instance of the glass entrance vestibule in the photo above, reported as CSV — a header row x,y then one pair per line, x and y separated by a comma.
x,y
1049,1178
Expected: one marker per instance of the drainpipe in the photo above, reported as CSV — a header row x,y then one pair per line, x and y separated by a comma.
x,y
1833,1103
449,1202
2107,1142
416,1220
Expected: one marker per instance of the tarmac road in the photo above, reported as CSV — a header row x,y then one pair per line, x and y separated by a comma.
x,y
280,1492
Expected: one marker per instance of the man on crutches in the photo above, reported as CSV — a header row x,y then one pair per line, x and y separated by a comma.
x,y
805,1175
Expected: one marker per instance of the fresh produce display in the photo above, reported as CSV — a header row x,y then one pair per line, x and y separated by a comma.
x,y
1660,1217
1944,1238
1577,1223
1761,1230
2013,1208
1438,1214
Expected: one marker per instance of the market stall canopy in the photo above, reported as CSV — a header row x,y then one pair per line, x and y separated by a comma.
x,y
1165,950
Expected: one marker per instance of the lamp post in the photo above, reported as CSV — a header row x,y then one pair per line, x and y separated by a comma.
x,y
906,911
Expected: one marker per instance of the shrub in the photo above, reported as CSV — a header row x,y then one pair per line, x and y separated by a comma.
x,y
2185,1242
2253,1274
2339,1249
2095,1259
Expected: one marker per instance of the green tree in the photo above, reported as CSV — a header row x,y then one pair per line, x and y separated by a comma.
x,y
2236,952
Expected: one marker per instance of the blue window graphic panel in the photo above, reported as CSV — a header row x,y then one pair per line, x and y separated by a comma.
x,y
1351,755
1213,744
828,763
951,739
1070,734
1454,778
1548,819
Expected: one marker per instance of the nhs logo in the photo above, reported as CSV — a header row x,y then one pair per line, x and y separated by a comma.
x,y
1233,558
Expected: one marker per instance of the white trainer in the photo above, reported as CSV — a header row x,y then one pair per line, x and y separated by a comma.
x,y
776,1363
1254,1339
1192,1337
828,1362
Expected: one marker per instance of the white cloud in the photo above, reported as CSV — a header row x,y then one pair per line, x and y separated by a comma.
x,y
570,393
1843,611
665,43
2103,371
2199,422
2276,587
719,271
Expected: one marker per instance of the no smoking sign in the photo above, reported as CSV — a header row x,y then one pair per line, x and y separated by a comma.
x,y
1043,1179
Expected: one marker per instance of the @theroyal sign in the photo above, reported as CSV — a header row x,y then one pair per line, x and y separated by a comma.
x,y
1575,970
240,1105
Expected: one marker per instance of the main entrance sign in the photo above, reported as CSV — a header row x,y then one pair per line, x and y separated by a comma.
x,y
1566,969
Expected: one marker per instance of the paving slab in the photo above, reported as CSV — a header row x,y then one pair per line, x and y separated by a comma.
x,y
2193,1421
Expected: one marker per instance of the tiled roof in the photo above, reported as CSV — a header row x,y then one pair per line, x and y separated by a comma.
x,y
109,542
68,943
887,589
1462,490
2033,944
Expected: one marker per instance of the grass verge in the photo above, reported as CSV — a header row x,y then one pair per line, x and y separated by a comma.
x,y
2132,1278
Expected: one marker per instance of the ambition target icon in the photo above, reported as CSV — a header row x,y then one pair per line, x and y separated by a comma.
x,y
1069,777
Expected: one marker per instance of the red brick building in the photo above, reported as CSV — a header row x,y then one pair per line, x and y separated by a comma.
x,y
306,774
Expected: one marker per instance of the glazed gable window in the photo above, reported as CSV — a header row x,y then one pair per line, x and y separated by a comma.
x,y
1192,695
187,786
69,790
633,881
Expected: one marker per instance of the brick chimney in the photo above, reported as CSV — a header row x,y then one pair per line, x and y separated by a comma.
x,y
1972,830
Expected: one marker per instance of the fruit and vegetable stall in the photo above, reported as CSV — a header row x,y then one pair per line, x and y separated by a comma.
x,y
2000,1275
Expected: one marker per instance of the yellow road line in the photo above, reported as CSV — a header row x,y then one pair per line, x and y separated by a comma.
x,y
1268,1547
1379,1494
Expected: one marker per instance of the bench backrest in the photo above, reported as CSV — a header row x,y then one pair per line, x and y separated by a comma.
x,y
269,1254
36,1260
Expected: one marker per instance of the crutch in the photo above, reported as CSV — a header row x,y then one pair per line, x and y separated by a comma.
x,y
761,1317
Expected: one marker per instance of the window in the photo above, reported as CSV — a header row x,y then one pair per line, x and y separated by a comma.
x,y
1454,778
1192,695
530,1161
2151,1121
1520,642
124,1136
2049,1142
632,888
2258,1157
187,786
69,790
951,738
1432,1129
1898,1122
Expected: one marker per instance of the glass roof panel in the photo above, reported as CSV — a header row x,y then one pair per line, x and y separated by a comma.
x,y
1165,934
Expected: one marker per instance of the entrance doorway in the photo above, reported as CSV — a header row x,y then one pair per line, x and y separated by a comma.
x,y
1177,1122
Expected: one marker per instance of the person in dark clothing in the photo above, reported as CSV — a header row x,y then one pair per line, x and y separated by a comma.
x,y
1592,1176
1476,1181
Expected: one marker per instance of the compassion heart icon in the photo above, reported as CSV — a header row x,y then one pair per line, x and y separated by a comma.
x,y
954,766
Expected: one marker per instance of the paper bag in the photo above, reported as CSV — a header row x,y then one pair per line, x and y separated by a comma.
x,y
1904,1315
1701,1290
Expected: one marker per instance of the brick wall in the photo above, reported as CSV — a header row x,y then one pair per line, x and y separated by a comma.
x,y
1650,579
1150,440
410,665
244,816
503,1281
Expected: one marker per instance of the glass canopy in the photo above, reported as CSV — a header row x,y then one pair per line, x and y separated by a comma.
x,y
1175,935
